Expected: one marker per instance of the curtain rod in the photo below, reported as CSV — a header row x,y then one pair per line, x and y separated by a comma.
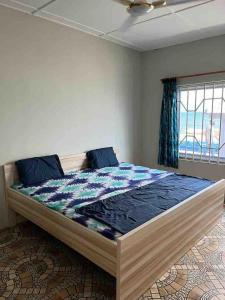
x,y
196,75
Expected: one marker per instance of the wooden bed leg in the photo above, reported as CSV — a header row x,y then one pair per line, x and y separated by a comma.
x,y
118,288
9,179
11,218
11,214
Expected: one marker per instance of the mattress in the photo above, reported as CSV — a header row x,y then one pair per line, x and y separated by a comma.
x,y
81,188
127,211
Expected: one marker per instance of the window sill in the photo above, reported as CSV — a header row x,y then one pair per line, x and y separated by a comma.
x,y
202,160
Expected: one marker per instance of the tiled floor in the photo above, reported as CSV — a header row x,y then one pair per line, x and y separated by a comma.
x,y
35,266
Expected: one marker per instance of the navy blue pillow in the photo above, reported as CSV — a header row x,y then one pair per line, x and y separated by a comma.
x,y
37,169
101,158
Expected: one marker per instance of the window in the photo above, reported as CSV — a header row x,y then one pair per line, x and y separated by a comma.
x,y
202,121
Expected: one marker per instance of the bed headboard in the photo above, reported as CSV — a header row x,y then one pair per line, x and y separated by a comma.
x,y
68,162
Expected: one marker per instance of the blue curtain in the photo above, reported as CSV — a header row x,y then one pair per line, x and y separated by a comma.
x,y
168,140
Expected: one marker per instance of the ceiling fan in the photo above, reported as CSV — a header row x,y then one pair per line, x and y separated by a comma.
x,y
137,8
141,7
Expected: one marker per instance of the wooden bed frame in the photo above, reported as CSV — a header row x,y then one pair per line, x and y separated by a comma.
x,y
138,258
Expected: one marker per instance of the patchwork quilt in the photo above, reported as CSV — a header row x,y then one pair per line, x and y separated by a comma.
x,y
80,188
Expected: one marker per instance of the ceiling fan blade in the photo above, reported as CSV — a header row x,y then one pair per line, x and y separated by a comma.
x,y
124,2
158,4
177,2
128,23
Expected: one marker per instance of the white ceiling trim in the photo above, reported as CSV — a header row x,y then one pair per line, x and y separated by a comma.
x,y
43,6
16,5
121,42
66,22
73,24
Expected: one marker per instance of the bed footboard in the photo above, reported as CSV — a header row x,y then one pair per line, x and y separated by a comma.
x,y
146,253
90,244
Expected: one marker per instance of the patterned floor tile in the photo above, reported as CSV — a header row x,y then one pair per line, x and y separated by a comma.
x,y
35,266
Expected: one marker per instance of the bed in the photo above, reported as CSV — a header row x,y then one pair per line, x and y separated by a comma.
x,y
138,258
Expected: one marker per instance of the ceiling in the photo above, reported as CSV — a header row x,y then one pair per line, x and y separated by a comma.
x,y
106,18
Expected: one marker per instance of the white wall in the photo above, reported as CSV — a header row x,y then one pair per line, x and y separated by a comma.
x,y
197,57
63,91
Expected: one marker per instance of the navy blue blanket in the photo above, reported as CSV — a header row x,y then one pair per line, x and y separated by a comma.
x,y
127,211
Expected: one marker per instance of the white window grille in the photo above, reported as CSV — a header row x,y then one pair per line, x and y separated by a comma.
x,y
202,121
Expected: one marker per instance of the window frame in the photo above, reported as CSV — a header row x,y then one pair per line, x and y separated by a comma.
x,y
195,156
